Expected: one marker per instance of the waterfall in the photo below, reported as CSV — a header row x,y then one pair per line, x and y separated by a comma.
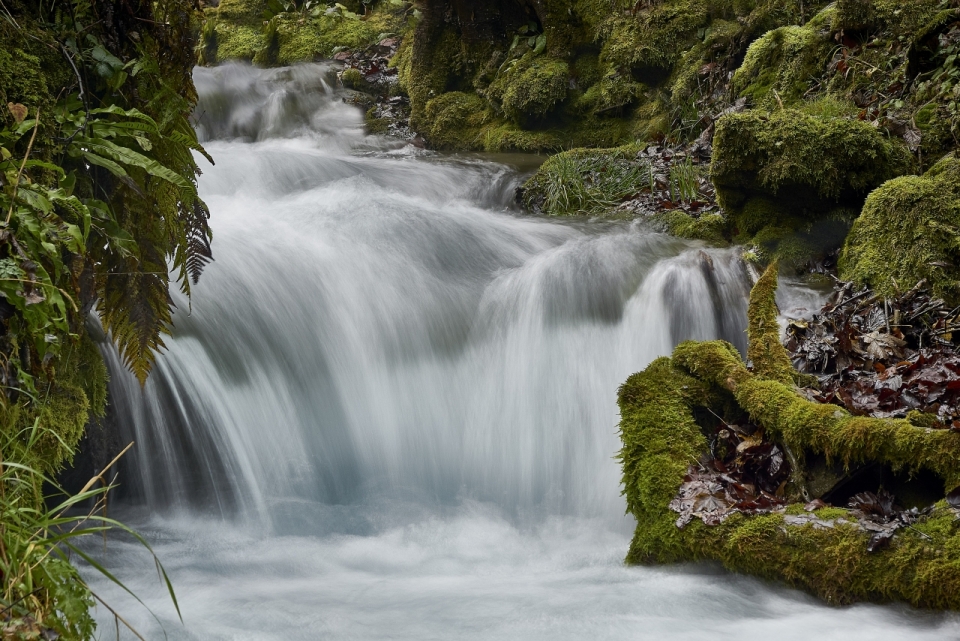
x,y
389,410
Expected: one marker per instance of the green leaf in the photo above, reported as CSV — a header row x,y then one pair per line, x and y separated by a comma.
x,y
35,200
129,113
127,156
541,44
106,163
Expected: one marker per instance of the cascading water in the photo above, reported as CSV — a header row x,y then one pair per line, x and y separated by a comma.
x,y
391,410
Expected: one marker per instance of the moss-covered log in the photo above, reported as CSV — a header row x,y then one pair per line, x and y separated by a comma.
x,y
824,552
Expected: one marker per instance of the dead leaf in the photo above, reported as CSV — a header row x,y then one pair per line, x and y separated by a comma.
x,y
18,111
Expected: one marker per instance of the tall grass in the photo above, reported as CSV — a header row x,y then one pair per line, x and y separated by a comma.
x,y
685,181
40,528
575,183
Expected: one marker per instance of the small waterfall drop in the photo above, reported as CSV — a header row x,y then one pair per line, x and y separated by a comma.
x,y
376,323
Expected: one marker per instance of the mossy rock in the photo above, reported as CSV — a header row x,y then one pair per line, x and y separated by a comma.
x,y
612,93
76,393
781,65
712,228
235,42
792,182
871,15
909,230
247,12
530,88
652,39
453,121
791,153
661,438
236,31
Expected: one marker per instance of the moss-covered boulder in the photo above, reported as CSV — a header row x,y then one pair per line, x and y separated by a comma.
x,y
791,182
530,88
588,72
649,42
781,65
824,551
909,230
711,227
454,120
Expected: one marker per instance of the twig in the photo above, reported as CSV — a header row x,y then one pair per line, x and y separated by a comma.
x,y
23,598
23,165
116,614
83,95
99,476
923,534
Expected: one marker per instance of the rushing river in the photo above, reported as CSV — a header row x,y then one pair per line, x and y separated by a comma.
x,y
390,412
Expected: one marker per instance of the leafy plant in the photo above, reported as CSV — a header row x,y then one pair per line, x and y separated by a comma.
x,y
42,591
685,180
99,212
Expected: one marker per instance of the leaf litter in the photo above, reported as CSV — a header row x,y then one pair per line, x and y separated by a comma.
x,y
884,358
743,473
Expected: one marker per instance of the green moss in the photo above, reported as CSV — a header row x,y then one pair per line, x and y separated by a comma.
x,y
76,393
824,429
237,42
236,31
792,182
21,80
351,78
453,121
660,440
434,57
871,15
830,159
909,231
530,88
654,38
611,93
318,37
781,65
248,12
509,137
711,228
768,356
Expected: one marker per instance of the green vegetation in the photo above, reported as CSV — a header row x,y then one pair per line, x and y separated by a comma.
x,y
277,33
791,182
909,230
585,181
711,228
661,439
97,196
593,73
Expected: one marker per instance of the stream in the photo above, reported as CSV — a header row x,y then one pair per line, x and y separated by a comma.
x,y
389,411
